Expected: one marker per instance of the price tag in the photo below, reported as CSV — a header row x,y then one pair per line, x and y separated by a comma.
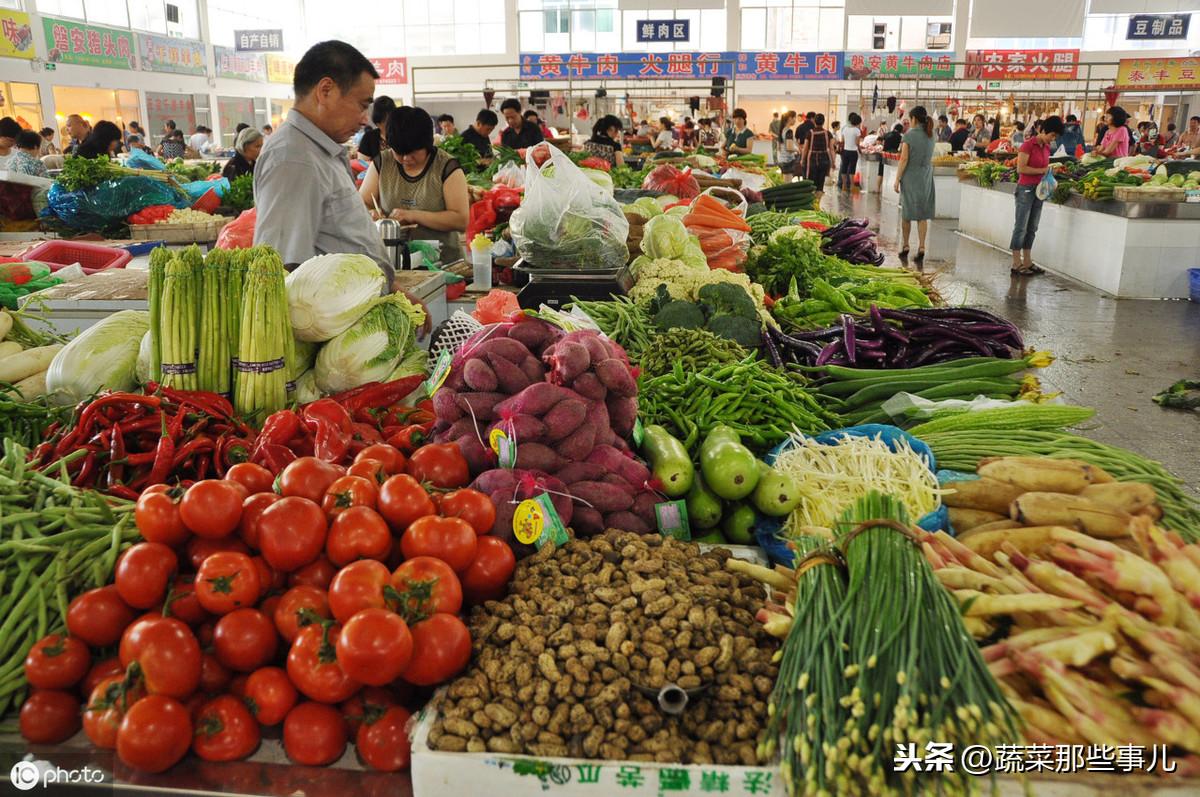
x,y
639,432
672,517
504,447
441,370
536,522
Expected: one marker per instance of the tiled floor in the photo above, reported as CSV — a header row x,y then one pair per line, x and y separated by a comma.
x,y
1112,354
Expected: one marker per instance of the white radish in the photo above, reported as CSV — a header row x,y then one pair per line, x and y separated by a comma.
x,y
29,362
9,348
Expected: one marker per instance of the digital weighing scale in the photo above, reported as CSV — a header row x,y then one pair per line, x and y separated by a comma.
x,y
555,287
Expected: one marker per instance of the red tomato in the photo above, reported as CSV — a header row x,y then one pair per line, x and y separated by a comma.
x,y
488,575
440,464
157,516
383,743
308,477
99,616
390,457
319,573
143,574
270,580
300,606
105,668
244,640
312,665
49,716
155,733
167,655
227,581
424,586
450,539
472,506
369,469
198,549
57,662
314,734
225,730
369,702
255,478
269,695
214,676
252,508
374,647
106,705
357,586
358,533
183,604
347,492
402,500
441,649
291,533
212,508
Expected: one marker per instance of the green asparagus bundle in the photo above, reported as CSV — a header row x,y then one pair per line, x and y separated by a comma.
x,y
158,264
179,320
213,363
260,387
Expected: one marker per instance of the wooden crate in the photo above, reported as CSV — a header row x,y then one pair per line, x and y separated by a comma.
x,y
1129,193
178,233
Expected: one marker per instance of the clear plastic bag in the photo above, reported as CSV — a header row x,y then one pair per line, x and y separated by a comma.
x,y
110,202
511,175
1045,187
565,220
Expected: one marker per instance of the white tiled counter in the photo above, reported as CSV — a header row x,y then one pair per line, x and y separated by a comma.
x,y
945,189
1125,249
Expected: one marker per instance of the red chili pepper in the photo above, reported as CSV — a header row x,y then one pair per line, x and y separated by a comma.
x,y
273,457
164,455
331,428
121,491
379,394
410,438
87,472
116,462
279,428
200,445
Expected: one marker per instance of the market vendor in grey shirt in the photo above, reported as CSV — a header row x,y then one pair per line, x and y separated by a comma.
x,y
305,197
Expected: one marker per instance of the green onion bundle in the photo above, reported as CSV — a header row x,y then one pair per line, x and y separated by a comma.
x,y
916,673
264,347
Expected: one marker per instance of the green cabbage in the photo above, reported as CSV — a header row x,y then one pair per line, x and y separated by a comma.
x,y
415,363
666,199
645,207
371,348
103,357
664,237
306,355
693,255
679,210
600,178
142,370
306,387
328,293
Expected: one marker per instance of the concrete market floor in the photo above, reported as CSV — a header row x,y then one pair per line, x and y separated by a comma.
x,y
1112,354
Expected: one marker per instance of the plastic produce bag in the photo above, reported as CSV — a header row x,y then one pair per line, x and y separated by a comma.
x,y
199,188
110,202
669,180
1045,187
239,233
566,221
495,306
140,159
511,175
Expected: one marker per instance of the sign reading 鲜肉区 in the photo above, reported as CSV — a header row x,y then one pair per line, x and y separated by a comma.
x,y
230,63
391,70
1157,27
664,30
1158,74
1022,64
17,38
561,66
280,69
163,54
258,41
860,65
789,66
71,42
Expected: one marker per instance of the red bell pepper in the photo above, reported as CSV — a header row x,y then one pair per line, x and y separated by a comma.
x,y
331,427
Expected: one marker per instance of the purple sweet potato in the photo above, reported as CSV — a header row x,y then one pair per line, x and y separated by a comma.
x,y
496,479
502,528
643,506
535,456
616,350
480,376
622,414
564,418
478,458
480,406
612,460
616,376
580,472
512,350
463,426
532,368
577,445
618,481
445,406
536,400
626,521
511,379
602,497
598,419
455,381
522,428
558,496
587,522
590,340
534,333
590,387
567,361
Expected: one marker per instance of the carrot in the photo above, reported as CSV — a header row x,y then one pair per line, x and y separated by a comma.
x,y
709,206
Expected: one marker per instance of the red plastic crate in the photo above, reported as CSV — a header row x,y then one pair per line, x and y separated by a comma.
x,y
92,257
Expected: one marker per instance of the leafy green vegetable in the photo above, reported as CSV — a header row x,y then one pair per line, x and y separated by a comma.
x,y
80,173
240,195
462,151
188,173
1183,395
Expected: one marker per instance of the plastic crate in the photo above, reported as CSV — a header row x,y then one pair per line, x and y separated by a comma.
x,y
92,257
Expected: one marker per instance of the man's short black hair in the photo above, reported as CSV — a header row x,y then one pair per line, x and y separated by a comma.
x,y
943,118
410,129
1019,125
511,104
381,109
738,113
854,119
27,139
960,121
445,118
240,127
9,127
1171,127
1194,119
170,124
332,59
48,132
487,117
810,115
1071,118
1053,124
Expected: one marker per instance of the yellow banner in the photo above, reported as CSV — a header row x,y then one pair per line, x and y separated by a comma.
x,y
1156,74
17,38
279,69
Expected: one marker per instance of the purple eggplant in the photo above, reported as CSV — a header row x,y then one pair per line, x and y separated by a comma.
x,y
830,351
772,350
848,338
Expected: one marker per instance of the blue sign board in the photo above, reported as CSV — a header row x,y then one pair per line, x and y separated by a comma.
x,y
682,65
1153,27
664,30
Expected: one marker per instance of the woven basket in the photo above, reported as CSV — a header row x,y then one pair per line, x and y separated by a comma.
x,y
1129,193
178,233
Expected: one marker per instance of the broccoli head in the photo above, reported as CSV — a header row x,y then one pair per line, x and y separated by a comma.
x,y
679,314
746,332
726,298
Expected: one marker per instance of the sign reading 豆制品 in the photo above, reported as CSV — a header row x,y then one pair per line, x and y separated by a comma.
x,y
1158,27
258,41
1169,74
71,42
862,65
391,70
1022,64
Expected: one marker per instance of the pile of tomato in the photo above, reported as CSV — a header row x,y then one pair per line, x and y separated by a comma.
x,y
323,600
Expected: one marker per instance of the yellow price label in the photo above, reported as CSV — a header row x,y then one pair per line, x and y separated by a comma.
x,y
529,521
496,439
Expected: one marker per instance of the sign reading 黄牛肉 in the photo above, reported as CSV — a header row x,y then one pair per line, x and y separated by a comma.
x,y
682,65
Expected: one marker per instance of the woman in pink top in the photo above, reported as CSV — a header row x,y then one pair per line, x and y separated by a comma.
x,y
1117,140
1033,161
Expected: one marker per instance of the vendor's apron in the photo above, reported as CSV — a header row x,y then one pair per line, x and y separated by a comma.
x,y
399,191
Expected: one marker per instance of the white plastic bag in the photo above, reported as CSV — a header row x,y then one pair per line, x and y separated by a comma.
x,y
1045,187
566,221
752,180
511,175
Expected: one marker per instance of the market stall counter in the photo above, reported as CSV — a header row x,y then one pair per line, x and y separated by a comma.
x,y
1137,250
945,188
868,171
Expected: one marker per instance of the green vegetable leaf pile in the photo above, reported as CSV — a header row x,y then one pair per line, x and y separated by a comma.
x,y
462,151
240,195
81,173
